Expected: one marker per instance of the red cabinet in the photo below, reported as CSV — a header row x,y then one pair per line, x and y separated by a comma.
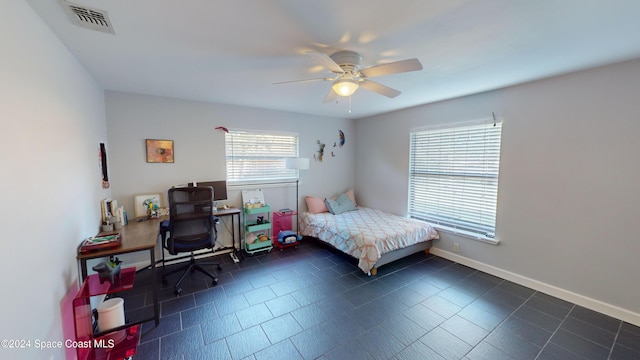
x,y
283,220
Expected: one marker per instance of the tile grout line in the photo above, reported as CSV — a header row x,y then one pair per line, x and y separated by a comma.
x,y
589,340
440,290
556,331
456,313
615,339
503,320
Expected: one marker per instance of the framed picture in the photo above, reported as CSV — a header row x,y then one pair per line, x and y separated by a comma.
x,y
147,204
159,151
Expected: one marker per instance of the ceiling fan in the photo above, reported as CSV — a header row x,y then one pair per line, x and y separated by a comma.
x,y
345,65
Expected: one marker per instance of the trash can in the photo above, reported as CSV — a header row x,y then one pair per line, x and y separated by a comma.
x,y
110,314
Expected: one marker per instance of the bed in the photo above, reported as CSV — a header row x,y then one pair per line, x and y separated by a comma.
x,y
373,237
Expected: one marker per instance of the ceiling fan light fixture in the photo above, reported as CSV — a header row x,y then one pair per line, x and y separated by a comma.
x,y
345,87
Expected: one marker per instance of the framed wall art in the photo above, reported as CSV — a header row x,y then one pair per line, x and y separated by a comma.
x,y
159,151
147,205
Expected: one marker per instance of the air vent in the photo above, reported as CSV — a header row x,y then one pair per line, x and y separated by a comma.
x,y
89,18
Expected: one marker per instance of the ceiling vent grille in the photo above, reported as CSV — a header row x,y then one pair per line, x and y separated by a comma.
x,y
89,18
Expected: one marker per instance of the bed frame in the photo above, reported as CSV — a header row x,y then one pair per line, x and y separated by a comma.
x,y
390,256
401,253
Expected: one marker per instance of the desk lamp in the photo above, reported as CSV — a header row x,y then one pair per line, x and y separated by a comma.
x,y
297,164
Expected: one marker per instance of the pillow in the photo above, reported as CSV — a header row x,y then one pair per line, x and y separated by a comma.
x,y
349,193
341,204
315,205
351,196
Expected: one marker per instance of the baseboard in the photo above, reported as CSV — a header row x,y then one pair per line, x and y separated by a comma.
x,y
584,301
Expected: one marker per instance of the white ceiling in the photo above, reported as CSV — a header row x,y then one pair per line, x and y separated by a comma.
x,y
232,51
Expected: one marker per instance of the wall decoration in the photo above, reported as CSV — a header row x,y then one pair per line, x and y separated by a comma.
x,y
147,205
102,156
159,151
320,153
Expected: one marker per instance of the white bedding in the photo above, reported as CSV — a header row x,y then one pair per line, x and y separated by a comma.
x,y
366,234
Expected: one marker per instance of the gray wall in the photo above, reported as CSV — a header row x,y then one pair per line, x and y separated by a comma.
x,y
53,120
199,148
568,193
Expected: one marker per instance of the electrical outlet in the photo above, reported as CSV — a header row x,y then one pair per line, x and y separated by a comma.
x,y
456,247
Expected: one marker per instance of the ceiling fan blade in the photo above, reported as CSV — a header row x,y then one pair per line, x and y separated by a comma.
x,y
324,60
379,88
392,68
303,81
331,96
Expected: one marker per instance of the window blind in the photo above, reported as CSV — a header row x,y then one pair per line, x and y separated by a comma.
x,y
453,177
254,156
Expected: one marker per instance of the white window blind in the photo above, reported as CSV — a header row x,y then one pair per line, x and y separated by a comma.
x,y
254,156
453,177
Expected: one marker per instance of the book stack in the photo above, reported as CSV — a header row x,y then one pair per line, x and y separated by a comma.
x,y
109,209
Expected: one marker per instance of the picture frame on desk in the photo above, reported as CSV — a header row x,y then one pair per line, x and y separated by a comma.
x,y
142,203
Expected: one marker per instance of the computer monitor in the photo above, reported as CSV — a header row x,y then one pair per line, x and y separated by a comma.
x,y
219,188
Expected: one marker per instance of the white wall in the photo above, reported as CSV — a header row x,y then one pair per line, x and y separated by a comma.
x,y
568,192
53,119
199,148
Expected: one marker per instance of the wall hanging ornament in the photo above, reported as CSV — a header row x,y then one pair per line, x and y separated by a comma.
x,y
102,155
342,139
320,153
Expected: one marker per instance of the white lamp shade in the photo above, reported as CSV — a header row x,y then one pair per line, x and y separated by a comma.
x,y
345,87
297,163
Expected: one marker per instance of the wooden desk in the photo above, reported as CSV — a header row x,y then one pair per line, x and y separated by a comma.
x,y
136,236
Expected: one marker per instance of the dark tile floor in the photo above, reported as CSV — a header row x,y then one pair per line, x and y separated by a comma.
x,y
314,303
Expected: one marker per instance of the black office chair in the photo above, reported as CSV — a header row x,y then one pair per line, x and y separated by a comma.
x,y
191,227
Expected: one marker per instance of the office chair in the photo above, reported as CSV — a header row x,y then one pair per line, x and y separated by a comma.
x,y
191,227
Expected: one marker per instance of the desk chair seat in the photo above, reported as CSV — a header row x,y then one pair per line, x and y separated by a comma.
x,y
191,227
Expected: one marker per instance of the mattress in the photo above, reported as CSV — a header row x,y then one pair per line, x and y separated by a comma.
x,y
366,234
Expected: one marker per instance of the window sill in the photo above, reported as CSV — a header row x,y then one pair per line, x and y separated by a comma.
x,y
466,234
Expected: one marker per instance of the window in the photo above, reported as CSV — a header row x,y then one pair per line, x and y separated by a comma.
x,y
453,177
254,156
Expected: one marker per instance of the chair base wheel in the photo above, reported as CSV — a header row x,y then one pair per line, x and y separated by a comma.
x,y
190,269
